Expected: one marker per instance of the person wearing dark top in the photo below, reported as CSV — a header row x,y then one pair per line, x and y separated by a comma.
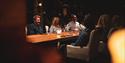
x,y
35,27
98,39
64,17
83,38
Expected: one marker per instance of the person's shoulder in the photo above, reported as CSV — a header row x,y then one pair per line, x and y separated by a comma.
x,y
31,24
77,22
52,26
70,22
96,29
81,25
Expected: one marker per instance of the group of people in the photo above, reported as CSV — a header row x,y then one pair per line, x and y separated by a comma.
x,y
95,34
37,28
73,25
104,23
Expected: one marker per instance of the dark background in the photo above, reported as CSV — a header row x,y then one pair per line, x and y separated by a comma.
x,y
85,5
52,8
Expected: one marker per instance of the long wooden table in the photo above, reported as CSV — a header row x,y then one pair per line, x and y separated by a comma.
x,y
43,38
50,40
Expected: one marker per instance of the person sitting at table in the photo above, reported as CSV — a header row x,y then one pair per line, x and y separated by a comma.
x,y
83,38
55,25
74,25
35,27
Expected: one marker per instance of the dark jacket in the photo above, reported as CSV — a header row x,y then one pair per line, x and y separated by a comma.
x,y
33,29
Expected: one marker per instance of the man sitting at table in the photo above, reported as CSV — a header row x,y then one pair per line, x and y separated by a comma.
x,y
35,27
74,25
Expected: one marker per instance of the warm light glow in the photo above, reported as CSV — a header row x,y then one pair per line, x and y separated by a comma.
x,y
59,31
40,4
117,46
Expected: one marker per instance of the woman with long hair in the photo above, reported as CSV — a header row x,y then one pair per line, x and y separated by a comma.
x,y
98,39
55,25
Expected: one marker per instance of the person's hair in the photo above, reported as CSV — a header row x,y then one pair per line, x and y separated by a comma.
x,y
116,20
72,16
55,21
103,21
36,16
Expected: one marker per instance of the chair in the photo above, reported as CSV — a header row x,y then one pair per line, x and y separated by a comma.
x,y
90,51
78,53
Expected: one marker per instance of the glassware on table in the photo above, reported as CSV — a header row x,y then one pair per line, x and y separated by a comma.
x,y
47,29
59,31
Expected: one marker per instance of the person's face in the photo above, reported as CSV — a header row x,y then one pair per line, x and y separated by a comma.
x,y
37,21
74,18
64,11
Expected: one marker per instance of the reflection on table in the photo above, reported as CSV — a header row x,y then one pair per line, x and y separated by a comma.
x,y
40,38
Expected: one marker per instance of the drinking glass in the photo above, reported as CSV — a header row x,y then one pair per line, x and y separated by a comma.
x,y
59,31
47,29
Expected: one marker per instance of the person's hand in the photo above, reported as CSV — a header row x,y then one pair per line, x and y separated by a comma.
x,y
116,46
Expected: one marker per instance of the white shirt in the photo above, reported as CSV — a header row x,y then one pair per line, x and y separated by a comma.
x,y
74,26
53,29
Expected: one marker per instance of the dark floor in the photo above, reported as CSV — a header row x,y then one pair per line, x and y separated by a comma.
x,y
71,60
98,59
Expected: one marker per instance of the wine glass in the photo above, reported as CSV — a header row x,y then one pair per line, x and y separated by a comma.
x,y
58,31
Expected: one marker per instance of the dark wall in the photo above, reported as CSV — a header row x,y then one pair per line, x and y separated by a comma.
x,y
12,34
54,7
30,11
33,9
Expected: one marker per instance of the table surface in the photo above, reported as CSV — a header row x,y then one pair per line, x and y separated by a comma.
x,y
40,38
